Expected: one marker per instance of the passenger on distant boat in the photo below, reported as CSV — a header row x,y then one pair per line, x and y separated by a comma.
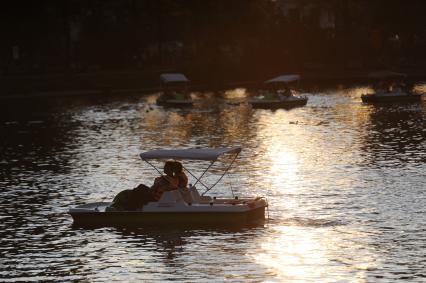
x,y
284,94
167,95
381,87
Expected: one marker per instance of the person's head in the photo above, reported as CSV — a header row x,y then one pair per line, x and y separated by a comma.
x,y
169,168
178,167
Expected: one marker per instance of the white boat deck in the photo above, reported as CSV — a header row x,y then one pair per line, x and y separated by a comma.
x,y
173,201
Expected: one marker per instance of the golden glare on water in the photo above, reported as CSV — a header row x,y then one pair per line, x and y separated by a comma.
x,y
420,88
288,258
284,165
356,92
277,133
235,93
310,246
297,253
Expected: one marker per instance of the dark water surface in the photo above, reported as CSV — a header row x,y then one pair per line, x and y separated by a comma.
x,y
346,183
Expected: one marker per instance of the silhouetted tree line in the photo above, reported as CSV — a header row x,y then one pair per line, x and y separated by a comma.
x,y
216,35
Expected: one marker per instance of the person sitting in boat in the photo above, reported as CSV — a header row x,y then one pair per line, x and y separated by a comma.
x,y
399,87
183,179
183,182
167,95
168,182
380,88
136,198
285,94
132,199
180,93
396,88
270,93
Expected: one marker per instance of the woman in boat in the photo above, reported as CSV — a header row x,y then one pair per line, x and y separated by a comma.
x,y
183,182
168,182
183,179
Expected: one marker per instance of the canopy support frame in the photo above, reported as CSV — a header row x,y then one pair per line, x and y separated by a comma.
x,y
226,171
198,180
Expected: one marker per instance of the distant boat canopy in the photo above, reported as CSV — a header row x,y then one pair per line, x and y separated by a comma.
x,y
284,79
173,78
386,75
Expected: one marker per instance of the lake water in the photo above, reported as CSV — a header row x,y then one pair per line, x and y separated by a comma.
x,y
346,184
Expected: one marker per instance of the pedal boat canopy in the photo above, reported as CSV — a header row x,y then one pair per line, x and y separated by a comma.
x,y
386,75
173,78
284,79
208,154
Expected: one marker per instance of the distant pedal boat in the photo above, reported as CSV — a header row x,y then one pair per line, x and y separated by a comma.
x,y
171,82
391,97
178,103
289,103
176,207
282,103
387,77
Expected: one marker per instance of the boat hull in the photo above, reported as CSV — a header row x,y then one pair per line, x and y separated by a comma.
x,y
371,98
278,104
141,218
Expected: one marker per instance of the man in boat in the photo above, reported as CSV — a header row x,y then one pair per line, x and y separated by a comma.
x,y
164,183
174,179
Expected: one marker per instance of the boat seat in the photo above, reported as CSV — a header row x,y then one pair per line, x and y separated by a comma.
x,y
196,197
171,197
186,195
183,195
191,195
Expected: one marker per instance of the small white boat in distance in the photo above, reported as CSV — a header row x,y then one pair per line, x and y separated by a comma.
x,y
389,87
278,94
185,206
175,91
284,79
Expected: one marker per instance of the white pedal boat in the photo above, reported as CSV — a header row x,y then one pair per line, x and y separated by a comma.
x,y
391,97
385,91
179,207
172,84
276,87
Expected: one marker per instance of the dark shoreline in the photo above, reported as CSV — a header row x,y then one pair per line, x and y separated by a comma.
x,y
146,81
